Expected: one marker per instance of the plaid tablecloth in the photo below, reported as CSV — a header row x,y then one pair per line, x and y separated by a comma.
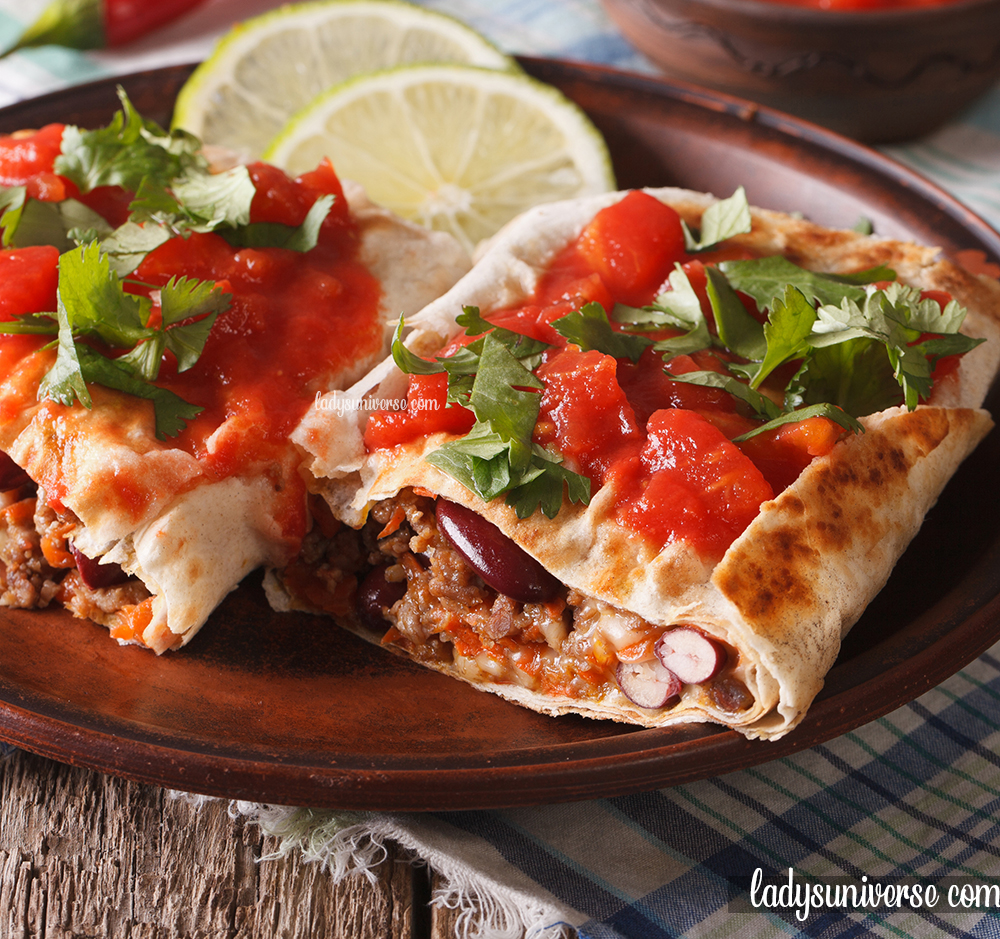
x,y
892,830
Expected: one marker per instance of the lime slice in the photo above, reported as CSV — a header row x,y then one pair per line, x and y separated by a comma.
x,y
267,68
452,147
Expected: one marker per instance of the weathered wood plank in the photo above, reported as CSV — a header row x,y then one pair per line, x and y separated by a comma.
x,y
88,855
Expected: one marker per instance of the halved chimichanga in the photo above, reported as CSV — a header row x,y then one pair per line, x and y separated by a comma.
x,y
650,459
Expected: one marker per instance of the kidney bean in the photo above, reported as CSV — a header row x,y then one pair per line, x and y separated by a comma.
x,y
505,566
11,475
691,655
95,574
376,595
731,695
648,683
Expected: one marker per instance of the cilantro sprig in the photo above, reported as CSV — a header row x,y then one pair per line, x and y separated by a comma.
x,y
174,193
859,347
93,309
492,376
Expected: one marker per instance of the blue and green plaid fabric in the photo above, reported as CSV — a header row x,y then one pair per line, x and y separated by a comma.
x,y
911,800
853,838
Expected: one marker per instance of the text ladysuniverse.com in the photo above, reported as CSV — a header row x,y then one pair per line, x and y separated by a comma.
x,y
341,404
807,896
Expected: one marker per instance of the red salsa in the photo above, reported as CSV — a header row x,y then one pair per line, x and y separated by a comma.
x,y
296,318
665,447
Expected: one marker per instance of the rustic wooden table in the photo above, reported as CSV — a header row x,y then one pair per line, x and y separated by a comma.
x,y
88,855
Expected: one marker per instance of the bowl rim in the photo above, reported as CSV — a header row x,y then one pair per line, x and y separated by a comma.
x,y
770,10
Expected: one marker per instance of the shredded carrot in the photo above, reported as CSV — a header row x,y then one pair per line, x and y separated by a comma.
x,y
555,607
19,511
398,517
392,635
420,491
466,640
637,652
131,621
54,546
411,564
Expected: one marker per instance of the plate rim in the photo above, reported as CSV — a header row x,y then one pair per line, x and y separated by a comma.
x,y
519,784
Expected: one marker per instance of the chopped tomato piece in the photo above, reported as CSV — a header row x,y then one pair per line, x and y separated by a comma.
x,y
287,201
563,290
689,483
426,412
649,388
131,621
28,281
781,454
584,412
634,245
24,155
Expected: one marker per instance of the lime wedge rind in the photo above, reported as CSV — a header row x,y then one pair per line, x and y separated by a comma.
x,y
268,67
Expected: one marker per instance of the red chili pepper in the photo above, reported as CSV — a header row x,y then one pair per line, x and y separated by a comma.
x,y
99,24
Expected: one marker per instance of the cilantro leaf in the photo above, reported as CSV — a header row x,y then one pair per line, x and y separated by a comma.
x,y
127,246
91,302
28,222
855,375
188,299
492,376
170,411
677,308
590,328
125,152
12,200
737,329
478,461
763,408
305,237
827,410
31,323
786,332
216,199
523,348
505,395
720,221
95,302
64,382
896,317
545,490
766,280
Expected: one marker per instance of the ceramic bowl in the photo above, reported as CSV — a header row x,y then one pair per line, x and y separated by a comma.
x,y
876,75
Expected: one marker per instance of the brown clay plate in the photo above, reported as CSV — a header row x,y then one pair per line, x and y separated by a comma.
x,y
287,709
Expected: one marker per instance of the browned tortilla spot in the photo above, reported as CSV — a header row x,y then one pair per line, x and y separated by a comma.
x,y
781,577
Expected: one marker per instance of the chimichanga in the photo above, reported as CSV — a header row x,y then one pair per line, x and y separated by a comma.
x,y
650,468
155,358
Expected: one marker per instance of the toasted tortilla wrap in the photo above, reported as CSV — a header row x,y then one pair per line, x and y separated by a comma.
x,y
129,499
784,594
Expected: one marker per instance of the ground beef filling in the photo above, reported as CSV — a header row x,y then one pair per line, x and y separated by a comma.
x,y
447,613
429,601
37,565
27,581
